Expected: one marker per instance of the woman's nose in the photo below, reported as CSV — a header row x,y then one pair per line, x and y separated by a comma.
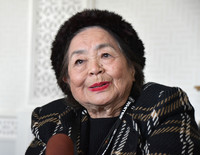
x,y
95,68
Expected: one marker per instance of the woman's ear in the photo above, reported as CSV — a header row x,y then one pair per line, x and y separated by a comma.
x,y
66,79
133,72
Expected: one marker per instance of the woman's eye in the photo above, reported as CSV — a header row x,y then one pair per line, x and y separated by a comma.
x,y
106,55
78,62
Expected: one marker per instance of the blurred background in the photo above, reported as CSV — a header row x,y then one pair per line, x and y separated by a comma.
x,y
170,30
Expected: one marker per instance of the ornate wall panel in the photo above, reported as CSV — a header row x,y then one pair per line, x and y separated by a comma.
x,y
48,16
8,127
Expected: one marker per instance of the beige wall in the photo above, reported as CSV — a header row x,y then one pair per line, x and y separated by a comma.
x,y
14,68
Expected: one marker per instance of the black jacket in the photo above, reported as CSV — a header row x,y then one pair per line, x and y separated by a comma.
x,y
160,122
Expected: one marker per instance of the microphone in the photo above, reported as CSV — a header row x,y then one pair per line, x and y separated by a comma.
x,y
60,144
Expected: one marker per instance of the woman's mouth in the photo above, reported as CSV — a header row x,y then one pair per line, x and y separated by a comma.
x,y
99,86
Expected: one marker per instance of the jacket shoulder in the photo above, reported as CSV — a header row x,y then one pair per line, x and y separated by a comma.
x,y
157,88
56,106
48,119
162,112
153,93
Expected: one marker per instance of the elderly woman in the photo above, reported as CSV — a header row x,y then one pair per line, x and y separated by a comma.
x,y
98,61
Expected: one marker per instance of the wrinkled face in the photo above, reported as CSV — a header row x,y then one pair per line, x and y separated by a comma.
x,y
98,73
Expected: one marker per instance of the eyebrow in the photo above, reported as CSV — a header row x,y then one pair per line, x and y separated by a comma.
x,y
98,47
77,52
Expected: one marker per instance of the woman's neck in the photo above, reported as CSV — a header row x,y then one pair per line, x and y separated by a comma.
x,y
105,111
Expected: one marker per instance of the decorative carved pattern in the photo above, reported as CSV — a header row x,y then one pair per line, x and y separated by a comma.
x,y
8,127
49,15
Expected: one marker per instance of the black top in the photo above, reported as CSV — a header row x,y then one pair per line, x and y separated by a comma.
x,y
99,129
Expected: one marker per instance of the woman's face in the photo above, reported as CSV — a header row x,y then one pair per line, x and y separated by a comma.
x,y
98,73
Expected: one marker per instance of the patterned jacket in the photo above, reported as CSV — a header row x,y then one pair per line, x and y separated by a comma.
x,y
160,122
